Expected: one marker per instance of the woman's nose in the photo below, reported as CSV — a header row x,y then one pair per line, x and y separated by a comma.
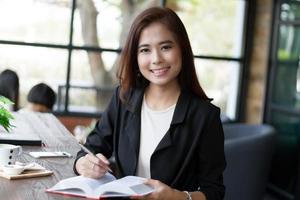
x,y
156,57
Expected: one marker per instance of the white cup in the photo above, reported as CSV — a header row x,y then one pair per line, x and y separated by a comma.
x,y
9,153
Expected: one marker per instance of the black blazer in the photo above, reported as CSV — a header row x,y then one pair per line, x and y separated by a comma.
x,y
189,157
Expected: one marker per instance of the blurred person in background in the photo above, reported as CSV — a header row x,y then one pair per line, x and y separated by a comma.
x,y
9,87
41,98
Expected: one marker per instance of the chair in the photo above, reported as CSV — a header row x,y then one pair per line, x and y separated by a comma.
x,y
225,119
248,151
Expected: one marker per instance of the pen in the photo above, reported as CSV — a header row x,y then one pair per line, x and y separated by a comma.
x,y
89,152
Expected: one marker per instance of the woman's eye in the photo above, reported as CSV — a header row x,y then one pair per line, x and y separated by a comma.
x,y
144,50
166,47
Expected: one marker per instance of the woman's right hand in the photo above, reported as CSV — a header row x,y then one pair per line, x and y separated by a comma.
x,y
91,166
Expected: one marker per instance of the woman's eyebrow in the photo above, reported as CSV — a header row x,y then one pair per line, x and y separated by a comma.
x,y
166,42
143,45
160,43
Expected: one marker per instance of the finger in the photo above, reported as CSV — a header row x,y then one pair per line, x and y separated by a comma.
x,y
93,159
105,161
136,197
143,197
99,169
92,162
96,161
94,171
89,169
103,158
151,182
155,184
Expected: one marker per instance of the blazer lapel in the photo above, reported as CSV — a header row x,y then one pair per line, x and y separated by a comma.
x,y
178,117
165,142
133,129
132,132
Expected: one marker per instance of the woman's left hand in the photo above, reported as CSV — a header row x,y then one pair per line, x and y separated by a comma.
x,y
162,191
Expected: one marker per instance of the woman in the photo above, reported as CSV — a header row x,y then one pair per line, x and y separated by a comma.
x,y
9,87
159,123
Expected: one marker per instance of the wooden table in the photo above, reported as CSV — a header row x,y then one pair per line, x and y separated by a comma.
x,y
56,138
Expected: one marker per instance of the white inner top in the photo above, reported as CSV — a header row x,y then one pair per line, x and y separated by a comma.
x,y
154,125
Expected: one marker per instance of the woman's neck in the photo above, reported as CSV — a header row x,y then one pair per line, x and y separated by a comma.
x,y
159,98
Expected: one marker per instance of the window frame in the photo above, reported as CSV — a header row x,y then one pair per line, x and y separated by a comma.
x,y
243,60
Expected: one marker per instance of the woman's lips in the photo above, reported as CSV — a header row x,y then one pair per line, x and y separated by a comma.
x,y
160,71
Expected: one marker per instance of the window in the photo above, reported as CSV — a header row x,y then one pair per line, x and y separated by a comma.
x,y
218,53
283,102
74,48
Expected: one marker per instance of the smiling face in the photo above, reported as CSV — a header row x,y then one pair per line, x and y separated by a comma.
x,y
159,56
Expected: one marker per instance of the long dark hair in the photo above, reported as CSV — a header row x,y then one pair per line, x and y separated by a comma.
x,y
9,86
128,73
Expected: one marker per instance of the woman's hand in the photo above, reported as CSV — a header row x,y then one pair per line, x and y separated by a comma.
x,y
91,166
162,192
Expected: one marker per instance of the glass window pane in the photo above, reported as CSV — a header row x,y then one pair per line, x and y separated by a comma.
x,y
288,43
35,21
286,151
105,23
97,23
290,11
215,27
34,65
83,99
286,89
213,76
92,80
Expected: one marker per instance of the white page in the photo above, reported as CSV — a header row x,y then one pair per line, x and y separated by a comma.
x,y
106,186
113,190
81,185
127,186
131,180
72,185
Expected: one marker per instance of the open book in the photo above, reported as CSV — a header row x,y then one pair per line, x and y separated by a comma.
x,y
106,186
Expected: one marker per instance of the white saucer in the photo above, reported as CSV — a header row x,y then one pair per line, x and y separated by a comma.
x,y
12,169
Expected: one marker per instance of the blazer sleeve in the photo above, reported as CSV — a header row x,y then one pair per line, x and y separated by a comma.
x,y
212,158
100,140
